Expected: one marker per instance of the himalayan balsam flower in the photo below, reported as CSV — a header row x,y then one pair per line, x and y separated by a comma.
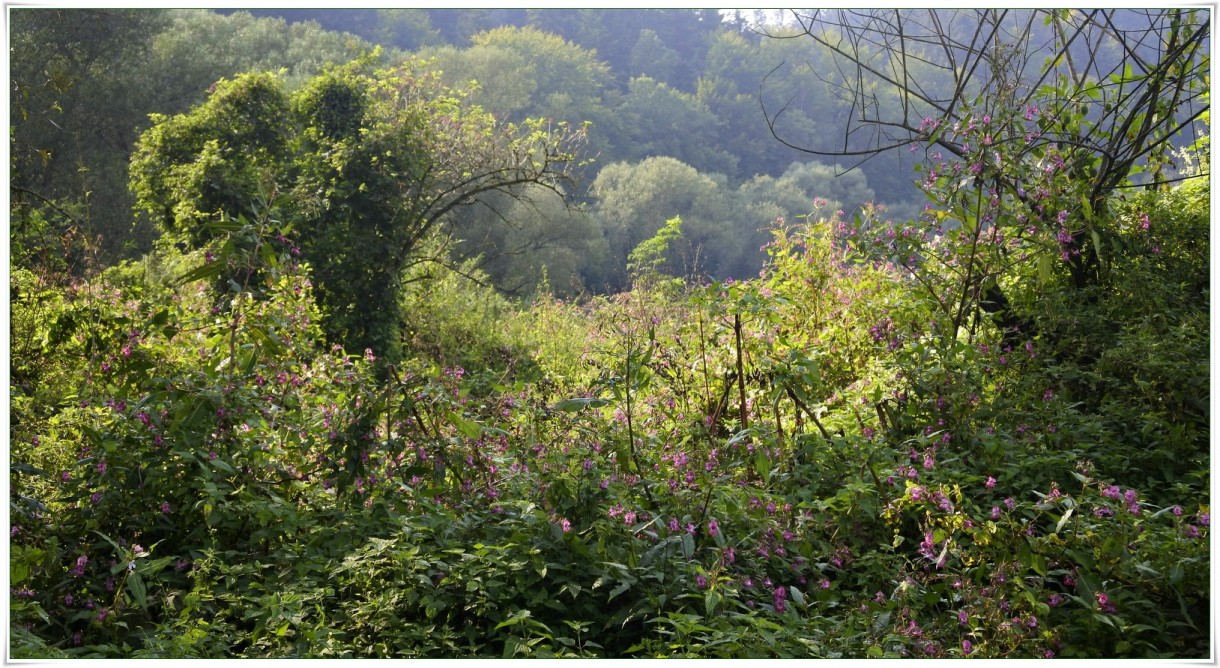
x,y
779,598
1103,602
990,482
79,569
967,647
713,528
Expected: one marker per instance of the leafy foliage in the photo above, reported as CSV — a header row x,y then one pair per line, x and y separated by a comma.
x,y
852,454
368,165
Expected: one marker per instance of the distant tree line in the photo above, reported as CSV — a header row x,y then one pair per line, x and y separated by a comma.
x,y
671,98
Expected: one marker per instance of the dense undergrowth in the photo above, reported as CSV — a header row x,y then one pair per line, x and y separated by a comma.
x,y
818,462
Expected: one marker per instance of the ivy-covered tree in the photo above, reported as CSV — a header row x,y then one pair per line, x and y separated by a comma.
x,y
360,165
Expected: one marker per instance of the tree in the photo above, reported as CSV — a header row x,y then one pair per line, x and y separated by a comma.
x,y
679,36
362,165
85,80
71,116
731,87
648,115
529,236
501,81
1043,115
561,68
805,185
651,58
634,201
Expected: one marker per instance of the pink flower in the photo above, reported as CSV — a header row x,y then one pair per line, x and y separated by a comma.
x,y
779,598
79,569
1103,602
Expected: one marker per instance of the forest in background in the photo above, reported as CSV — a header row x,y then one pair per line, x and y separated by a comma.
x,y
671,98
474,333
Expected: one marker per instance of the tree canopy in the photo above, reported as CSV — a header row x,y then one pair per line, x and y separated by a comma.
x,y
361,164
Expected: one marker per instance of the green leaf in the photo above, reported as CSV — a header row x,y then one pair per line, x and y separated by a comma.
x,y
208,270
135,585
117,549
622,587
1063,520
578,404
1044,270
18,571
469,428
1038,563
